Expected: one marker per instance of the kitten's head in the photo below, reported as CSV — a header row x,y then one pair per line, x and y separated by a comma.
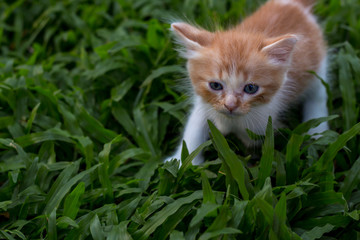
x,y
234,71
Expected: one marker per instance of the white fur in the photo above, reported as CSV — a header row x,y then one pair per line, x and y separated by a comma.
x,y
196,131
315,101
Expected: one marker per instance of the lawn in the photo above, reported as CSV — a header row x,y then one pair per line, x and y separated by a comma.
x,y
91,102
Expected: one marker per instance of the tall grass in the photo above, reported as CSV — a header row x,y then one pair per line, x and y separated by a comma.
x,y
89,108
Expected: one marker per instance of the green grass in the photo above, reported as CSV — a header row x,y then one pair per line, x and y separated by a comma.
x,y
89,107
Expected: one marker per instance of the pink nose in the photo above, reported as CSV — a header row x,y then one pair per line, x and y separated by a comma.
x,y
231,107
230,102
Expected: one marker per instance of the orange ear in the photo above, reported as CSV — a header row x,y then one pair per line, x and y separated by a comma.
x,y
191,37
279,50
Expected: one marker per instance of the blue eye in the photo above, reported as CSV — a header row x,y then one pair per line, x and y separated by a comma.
x,y
251,88
216,86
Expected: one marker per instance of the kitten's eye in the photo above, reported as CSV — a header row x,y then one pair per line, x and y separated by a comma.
x,y
216,86
251,88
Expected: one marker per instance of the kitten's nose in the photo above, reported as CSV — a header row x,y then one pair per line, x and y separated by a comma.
x,y
230,103
231,107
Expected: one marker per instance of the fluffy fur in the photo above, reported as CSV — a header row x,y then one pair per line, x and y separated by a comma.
x,y
273,49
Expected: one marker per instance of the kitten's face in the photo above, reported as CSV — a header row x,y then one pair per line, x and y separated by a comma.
x,y
233,80
232,72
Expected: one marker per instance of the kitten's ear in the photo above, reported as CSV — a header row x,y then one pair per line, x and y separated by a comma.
x,y
279,50
191,37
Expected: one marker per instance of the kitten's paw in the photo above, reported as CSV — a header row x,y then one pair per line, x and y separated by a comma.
x,y
319,129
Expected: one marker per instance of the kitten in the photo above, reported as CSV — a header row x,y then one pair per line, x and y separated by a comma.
x,y
257,69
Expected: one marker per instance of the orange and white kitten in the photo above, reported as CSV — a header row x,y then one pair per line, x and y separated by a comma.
x,y
257,69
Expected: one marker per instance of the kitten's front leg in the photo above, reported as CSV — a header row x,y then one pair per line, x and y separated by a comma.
x,y
196,132
315,105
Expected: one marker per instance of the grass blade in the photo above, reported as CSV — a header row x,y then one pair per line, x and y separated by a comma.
x,y
347,89
6,235
230,158
224,231
104,169
120,230
317,232
31,118
85,221
52,225
172,221
306,126
118,92
49,135
59,194
64,222
208,194
352,179
161,216
95,229
333,149
187,162
293,157
140,122
202,212
73,201
94,127
267,157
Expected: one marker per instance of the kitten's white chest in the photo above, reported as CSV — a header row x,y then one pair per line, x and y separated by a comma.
x,y
238,126
228,125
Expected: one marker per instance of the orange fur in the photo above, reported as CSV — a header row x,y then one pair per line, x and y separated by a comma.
x,y
275,46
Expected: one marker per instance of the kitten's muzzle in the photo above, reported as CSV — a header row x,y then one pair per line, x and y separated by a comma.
x,y
231,108
231,112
